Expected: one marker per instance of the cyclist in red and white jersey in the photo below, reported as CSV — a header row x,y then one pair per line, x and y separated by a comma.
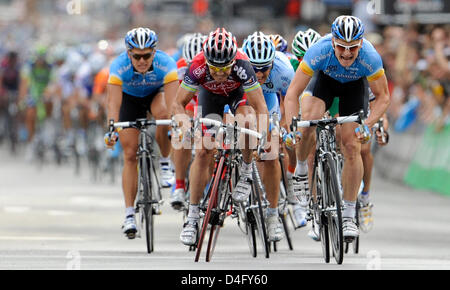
x,y
222,75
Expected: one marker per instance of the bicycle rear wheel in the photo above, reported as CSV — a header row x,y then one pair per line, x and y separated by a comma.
x,y
284,211
212,203
335,215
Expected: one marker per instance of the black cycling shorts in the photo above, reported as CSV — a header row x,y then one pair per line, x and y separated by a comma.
x,y
353,96
133,108
210,103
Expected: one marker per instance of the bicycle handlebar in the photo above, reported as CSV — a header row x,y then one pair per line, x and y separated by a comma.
x,y
324,122
210,122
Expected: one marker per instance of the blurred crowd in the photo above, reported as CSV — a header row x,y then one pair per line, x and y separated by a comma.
x,y
416,60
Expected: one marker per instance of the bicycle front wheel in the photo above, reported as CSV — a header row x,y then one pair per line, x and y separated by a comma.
x,y
334,214
212,203
147,208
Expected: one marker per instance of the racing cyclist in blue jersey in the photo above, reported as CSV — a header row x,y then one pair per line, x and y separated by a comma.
x,y
274,73
140,80
342,64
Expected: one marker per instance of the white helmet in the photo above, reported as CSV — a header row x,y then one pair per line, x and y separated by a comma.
x,y
141,38
259,48
193,46
303,41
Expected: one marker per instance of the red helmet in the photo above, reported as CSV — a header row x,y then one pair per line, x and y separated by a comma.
x,y
220,47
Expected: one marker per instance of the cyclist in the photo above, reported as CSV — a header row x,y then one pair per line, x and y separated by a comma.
x,y
35,79
221,75
342,64
182,157
302,41
136,83
366,219
9,86
274,73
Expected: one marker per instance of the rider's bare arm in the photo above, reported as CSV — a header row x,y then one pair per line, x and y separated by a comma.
x,y
382,100
291,100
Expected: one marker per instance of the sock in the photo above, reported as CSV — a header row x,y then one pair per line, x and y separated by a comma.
x,y
271,212
302,167
129,211
194,212
350,209
180,183
291,169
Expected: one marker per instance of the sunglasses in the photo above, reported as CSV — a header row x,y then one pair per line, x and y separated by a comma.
x,y
262,69
351,48
137,56
220,69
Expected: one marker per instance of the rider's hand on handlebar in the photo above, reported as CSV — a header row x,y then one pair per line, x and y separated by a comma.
x,y
111,139
363,134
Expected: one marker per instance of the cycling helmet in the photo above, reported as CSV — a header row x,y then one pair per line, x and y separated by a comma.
x,y
193,46
220,47
279,41
259,49
347,28
141,38
303,41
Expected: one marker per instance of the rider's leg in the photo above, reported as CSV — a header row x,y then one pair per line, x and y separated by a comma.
x,y
367,159
159,111
129,141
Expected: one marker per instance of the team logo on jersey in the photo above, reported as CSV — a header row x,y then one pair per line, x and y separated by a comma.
x,y
269,85
332,68
240,71
200,71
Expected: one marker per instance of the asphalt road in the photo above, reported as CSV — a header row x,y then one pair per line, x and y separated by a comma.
x,y
52,219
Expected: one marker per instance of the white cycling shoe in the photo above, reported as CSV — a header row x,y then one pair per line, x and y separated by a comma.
x,y
350,230
129,227
299,215
275,231
188,235
178,199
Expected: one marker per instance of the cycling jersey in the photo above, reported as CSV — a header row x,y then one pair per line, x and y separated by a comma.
x,y
38,78
280,75
277,82
321,57
162,71
182,68
84,80
242,74
295,63
100,81
10,75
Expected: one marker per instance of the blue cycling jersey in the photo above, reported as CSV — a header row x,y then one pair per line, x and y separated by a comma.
x,y
280,76
122,72
321,57
277,82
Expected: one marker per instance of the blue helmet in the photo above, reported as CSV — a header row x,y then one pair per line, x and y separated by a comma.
x,y
259,49
347,28
141,38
